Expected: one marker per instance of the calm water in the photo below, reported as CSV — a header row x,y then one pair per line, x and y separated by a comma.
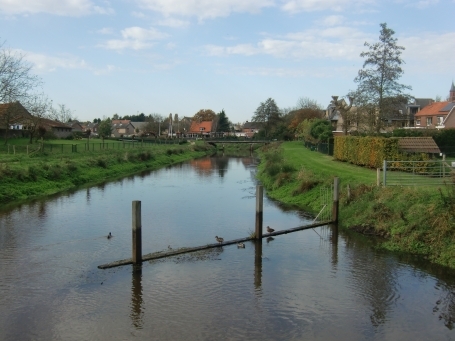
x,y
306,285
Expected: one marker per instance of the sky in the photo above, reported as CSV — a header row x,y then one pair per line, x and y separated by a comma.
x,y
101,57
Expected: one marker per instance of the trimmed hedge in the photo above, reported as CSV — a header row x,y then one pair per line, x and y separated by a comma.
x,y
371,151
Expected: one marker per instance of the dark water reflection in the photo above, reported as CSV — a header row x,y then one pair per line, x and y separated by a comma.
x,y
308,285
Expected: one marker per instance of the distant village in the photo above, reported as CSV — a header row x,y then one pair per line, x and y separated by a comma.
x,y
418,113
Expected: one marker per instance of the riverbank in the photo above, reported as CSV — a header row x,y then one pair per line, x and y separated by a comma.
x,y
416,220
24,177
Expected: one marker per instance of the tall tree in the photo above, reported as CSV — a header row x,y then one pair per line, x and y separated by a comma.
x,y
378,84
269,114
204,115
105,128
38,106
223,122
62,114
16,85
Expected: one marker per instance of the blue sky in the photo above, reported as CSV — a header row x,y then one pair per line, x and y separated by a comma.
x,y
102,57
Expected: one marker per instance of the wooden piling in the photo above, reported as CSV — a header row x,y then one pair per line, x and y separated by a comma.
x,y
259,211
137,233
336,186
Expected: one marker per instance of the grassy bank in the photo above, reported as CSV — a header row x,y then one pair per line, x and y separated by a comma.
x,y
417,220
24,177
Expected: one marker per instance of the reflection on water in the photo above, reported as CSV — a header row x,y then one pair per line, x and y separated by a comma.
x,y
136,297
308,285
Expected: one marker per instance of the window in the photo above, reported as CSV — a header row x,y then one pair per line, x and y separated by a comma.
x,y
418,122
429,121
440,120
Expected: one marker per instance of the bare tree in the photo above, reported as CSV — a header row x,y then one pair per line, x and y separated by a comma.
x,y
308,103
62,114
16,85
38,106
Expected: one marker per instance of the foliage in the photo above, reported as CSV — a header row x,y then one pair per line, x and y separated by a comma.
x,y
204,115
298,116
371,151
269,114
105,128
415,220
379,92
223,122
321,130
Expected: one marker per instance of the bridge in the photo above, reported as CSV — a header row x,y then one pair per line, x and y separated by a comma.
x,y
215,142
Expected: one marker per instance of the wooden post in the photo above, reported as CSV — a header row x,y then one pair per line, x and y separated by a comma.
x,y
378,177
259,213
137,233
384,171
14,149
336,186
349,193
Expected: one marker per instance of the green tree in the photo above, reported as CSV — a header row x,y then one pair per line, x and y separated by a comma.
x,y
269,114
378,85
105,128
223,122
321,130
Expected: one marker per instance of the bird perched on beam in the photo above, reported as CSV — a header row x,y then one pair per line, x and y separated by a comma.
x,y
219,239
269,229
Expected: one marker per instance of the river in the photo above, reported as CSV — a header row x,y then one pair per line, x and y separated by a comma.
x,y
307,285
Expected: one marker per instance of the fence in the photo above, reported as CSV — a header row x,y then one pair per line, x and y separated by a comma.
x,y
82,147
325,148
418,173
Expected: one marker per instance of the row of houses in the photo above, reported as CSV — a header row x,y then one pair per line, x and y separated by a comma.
x,y
420,113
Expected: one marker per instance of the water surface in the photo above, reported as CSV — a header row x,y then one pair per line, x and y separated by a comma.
x,y
307,285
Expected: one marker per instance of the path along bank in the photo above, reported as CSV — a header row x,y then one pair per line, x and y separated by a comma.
x,y
417,220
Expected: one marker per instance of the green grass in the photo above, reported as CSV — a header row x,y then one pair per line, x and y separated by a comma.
x,y
412,219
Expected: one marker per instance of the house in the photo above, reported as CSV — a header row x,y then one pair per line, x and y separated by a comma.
x,y
139,128
122,128
77,126
93,127
59,129
201,129
438,115
13,116
249,129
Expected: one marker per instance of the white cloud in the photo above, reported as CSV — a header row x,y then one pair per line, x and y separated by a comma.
x,y
422,4
331,43
428,53
56,7
135,38
44,63
333,20
105,30
294,6
204,9
175,23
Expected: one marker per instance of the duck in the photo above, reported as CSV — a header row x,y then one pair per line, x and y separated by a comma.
x,y
109,236
269,229
219,239
241,245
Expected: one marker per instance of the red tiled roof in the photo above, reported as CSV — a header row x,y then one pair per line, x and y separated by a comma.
x,y
418,144
432,109
196,127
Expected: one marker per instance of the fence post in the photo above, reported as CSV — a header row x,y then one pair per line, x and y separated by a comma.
x,y
259,212
384,169
378,177
335,206
137,233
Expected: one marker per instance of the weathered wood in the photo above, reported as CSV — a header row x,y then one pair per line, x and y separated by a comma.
x,y
158,255
335,206
137,233
259,211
